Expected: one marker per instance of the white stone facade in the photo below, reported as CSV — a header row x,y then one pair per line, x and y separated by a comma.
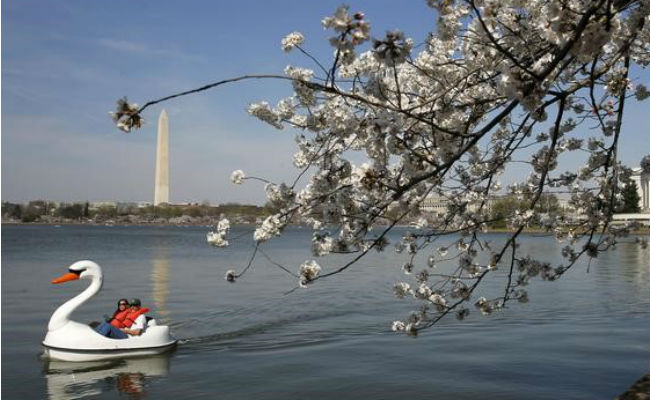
x,y
438,204
642,186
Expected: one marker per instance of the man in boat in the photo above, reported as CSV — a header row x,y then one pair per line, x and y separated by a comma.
x,y
136,320
133,322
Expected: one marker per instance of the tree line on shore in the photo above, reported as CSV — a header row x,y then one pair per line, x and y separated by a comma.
x,y
42,211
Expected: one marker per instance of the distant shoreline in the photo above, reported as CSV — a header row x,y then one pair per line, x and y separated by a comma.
x,y
644,231
122,224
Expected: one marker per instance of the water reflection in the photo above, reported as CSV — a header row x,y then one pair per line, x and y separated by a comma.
x,y
160,281
635,263
76,380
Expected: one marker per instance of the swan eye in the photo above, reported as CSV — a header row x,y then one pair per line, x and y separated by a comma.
x,y
77,272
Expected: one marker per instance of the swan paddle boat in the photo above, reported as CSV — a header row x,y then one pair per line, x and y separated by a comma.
x,y
68,340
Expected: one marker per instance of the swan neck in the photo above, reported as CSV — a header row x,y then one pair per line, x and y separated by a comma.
x,y
62,314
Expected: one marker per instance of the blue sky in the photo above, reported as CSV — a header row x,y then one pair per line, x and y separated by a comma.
x,y
64,64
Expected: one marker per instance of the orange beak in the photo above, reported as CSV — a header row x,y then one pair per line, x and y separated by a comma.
x,y
67,277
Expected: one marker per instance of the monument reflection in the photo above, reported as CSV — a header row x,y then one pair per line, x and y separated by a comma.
x,y
160,283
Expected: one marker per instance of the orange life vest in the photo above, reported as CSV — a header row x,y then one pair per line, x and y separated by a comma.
x,y
119,317
133,315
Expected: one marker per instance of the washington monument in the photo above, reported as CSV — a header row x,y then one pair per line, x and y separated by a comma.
x,y
161,191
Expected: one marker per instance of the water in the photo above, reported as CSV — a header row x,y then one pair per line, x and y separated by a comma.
x,y
584,337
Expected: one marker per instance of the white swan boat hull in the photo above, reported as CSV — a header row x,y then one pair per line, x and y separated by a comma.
x,y
79,342
67,340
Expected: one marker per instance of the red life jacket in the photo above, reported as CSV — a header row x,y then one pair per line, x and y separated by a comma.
x,y
133,315
119,317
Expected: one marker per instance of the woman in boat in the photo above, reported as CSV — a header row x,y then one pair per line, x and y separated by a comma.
x,y
117,320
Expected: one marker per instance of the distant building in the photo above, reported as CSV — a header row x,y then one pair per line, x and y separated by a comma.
x,y
96,205
438,204
642,181
435,204
642,218
186,204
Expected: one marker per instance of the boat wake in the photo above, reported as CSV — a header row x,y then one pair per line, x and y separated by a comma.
x,y
275,334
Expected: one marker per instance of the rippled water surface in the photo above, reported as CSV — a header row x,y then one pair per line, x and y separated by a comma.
x,y
584,337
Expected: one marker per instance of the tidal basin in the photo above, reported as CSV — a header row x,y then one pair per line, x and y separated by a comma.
x,y
582,337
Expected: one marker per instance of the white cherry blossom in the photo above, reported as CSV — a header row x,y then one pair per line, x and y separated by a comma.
x,y
292,40
237,177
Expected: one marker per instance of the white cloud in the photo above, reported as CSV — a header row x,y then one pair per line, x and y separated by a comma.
x,y
139,48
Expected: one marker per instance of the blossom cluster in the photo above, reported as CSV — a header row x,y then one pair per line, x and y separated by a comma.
x,y
352,30
308,271
237,177
271,227
292,40
218,238
126,116
263,111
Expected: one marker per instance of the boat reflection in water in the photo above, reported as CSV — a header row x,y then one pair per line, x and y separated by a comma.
x,y
76,380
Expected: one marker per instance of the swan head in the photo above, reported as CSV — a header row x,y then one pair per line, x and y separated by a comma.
x,y
84,269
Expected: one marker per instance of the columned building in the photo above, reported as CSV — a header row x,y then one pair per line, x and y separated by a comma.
x,y
642,181
435,204
438,204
